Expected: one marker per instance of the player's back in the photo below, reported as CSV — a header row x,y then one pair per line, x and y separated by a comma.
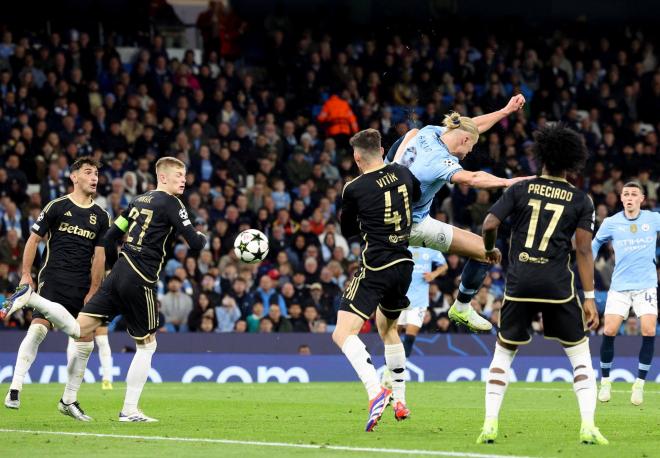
x,y
380,201
150,224
545,213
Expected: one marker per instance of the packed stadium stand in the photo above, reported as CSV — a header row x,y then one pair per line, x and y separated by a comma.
x,y
261,112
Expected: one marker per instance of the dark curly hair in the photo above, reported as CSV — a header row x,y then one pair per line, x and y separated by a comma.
x,y
560,149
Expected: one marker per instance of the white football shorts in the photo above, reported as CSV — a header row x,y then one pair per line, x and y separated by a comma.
x,y
432,233
642,301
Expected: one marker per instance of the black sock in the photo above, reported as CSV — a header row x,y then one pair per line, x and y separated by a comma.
x,y
606,355
472,277
408,342
645,356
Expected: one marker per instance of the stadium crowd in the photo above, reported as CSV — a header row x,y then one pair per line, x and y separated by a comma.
x,y
266,144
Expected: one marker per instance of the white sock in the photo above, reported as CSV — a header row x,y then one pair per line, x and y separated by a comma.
x,y
76,370
70,350
640,381
359,358
137,376
498,381
27,352
395,358
462,306
604,379
105,355
56,314
585,390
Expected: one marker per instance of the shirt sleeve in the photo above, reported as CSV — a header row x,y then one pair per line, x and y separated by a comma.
x,y
349,224
505,204
587,215
447,166
178,216
104,225
657,221
603,236
47,219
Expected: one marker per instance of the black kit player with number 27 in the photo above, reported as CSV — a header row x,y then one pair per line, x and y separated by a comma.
x,y
149,223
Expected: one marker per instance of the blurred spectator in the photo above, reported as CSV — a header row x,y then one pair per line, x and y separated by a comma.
x,y
176,306
228,313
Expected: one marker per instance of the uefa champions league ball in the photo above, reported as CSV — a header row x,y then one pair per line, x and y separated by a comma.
x,y
251,246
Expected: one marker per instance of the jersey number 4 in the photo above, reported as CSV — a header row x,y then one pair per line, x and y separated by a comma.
x,y
394,217
134,214
556,210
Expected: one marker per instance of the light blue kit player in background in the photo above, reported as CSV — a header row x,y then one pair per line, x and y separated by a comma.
x,y
633,233
418,292
432,154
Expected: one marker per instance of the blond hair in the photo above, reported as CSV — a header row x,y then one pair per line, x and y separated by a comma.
x,y
167,162
454,120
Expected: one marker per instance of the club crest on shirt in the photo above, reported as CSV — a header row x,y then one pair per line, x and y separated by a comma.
x,y
633,228
92,219
646,227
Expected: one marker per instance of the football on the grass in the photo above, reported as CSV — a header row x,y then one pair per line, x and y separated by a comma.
x,y
251,246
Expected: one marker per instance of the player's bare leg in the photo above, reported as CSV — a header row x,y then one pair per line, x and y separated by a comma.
x,y
648,323
27,353
136,377
612,324
346,338
395,359
55,313
105,356
496,385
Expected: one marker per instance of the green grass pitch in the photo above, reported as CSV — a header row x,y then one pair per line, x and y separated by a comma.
x,y
537,420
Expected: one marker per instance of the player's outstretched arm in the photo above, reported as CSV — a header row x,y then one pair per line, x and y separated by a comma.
x,y
484,180
489,234
485,122
178,216
29,253
585,264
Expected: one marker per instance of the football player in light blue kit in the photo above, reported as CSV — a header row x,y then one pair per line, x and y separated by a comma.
x,y
432,154
633,233
418,291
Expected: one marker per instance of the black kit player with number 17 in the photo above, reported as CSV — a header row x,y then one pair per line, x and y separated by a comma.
x,y
546,213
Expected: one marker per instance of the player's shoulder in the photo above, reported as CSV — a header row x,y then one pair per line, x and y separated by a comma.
x,y
399,170
349,185
58,204
650,214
